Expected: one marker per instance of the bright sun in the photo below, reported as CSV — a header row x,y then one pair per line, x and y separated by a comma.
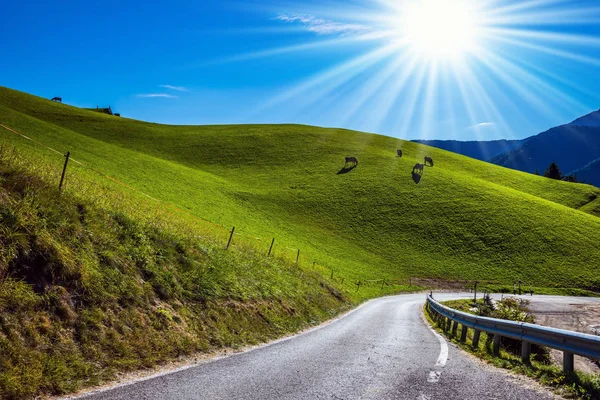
x,y
440,28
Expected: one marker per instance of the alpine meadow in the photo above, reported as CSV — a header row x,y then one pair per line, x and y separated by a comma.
x,y
136,240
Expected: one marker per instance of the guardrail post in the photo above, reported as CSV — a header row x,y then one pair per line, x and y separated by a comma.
x,y
497,339
454,328
463,333
525,352
568,362
476,335
447,324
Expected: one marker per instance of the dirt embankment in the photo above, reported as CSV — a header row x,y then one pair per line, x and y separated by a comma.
x,y
580,315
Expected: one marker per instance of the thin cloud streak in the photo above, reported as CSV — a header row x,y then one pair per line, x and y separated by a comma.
x,y
178,88
481,125
323,26
154,95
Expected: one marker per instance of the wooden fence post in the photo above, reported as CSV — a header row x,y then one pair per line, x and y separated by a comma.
x,y
271,248
230,237
298,257
62,178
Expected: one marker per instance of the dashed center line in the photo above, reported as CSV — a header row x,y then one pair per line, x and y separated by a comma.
x,y
434,377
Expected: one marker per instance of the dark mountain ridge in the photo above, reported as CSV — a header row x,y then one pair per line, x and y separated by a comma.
x,y
574,147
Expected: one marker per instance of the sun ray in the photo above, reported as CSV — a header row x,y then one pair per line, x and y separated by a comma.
x,y
583,15
405,84
515,9
555,77
429,105
279,51
370,88
480,93
547,37
392,93
552,51
408,111
534,89
466,99
328,80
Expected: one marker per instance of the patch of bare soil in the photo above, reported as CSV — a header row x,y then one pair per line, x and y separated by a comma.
x,y
578,315
442,284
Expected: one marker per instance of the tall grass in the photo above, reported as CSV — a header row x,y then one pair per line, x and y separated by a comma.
x,y
95,281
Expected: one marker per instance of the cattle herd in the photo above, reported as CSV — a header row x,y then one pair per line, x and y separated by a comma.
x,y
352,162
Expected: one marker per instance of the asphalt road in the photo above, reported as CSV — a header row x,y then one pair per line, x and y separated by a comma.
x,y
382,350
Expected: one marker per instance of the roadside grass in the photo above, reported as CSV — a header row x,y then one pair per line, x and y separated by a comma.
x,y
576,385
465,220
94,282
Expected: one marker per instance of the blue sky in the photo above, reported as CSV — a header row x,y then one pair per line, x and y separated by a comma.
x,y
328,63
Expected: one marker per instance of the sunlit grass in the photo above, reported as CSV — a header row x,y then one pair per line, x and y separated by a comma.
x,y
96,281
465,220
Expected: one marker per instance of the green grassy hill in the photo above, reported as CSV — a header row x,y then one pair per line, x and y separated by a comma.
x,y
464,220
126,267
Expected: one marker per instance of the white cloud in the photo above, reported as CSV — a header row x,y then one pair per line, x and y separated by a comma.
x,y
178,88
323,26
151,95
481,125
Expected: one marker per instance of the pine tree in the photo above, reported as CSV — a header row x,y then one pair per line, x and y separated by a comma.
x,y
553,172
571,178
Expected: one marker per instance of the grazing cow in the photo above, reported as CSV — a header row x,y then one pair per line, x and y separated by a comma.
x,y
428,160
352,161
399,152
58,99
418,168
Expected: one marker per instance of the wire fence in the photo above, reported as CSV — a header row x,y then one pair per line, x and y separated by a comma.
x,y
235,238
290,254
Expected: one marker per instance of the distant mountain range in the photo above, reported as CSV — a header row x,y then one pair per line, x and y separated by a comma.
x,y
574,147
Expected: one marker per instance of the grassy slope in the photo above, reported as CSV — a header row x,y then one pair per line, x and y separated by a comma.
x,y
465,220
100,282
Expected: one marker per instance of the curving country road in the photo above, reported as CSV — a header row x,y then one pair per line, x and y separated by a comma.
x,y
382,350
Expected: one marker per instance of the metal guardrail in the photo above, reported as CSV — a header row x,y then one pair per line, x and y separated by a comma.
x,y
568,342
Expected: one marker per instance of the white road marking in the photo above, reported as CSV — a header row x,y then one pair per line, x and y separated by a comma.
x,y
434,377
441,361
